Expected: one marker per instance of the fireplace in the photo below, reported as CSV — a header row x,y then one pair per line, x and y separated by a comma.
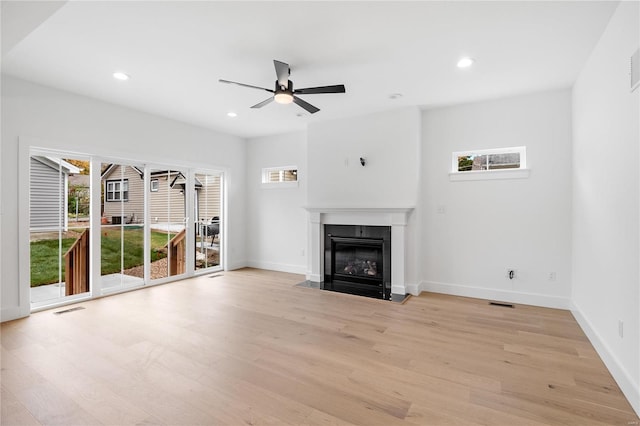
x,y
394,219
358,260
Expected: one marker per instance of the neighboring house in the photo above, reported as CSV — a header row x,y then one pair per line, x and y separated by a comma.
x,y
49,193
124,201
123,187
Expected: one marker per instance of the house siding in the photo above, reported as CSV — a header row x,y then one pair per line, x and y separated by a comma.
x,y
208,197
167,204
47,192
134,206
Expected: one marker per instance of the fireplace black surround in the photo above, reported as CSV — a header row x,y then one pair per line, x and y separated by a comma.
x,y
357,260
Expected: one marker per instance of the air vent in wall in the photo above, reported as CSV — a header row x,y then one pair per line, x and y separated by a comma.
x,y
635,70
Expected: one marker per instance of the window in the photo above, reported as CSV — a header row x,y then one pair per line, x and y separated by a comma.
x,y
489,164
284,174
280,176
117,190
154,185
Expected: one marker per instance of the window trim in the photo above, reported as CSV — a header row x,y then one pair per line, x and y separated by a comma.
x,y
124,195
512,173
152,187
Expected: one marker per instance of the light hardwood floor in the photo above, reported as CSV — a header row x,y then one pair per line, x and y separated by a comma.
x,y
250,347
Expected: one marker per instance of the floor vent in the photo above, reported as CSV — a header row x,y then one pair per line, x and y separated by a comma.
x,y
502,305
215,275
66,311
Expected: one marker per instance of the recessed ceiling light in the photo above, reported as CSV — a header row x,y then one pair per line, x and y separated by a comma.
x,y
231,114
395,96
120,76
465,62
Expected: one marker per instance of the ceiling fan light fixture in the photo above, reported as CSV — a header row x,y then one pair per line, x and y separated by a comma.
x,y
283,98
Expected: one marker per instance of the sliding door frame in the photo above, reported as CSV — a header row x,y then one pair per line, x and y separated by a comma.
x,y
28,144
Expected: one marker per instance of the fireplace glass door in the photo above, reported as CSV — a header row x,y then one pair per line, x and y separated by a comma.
x,y
358,260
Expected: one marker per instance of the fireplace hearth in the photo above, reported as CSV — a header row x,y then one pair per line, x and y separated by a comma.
x,y
358,260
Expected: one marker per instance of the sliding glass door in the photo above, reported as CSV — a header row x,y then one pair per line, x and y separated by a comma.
x,y
155,224
122,227
59,227
167,222
208,221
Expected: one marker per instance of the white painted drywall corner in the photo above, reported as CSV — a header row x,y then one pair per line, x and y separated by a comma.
x,y
606,198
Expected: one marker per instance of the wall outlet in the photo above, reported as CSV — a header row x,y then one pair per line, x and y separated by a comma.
x,y
552,276
512,274
440,209
621,328
302,252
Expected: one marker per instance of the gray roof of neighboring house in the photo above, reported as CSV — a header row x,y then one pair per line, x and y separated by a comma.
x,y
108,169
56,163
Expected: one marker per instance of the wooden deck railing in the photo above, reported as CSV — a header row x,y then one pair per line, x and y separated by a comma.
x,y
76,273
177,252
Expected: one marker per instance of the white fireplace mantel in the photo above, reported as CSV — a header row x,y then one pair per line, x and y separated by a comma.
x,y
395,217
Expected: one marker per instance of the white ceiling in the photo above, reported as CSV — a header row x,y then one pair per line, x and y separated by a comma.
x,y
176,51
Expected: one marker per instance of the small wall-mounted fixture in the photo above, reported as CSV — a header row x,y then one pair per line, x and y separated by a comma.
x,y
363,161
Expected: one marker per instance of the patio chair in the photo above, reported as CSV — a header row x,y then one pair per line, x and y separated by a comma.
x,y
213,229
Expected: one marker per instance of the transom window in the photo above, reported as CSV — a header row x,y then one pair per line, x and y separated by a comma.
x,y
280,174
117,190
489,159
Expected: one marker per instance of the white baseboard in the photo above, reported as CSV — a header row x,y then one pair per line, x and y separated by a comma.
x,y
281,267
629,387
398,289
413,289
534,299
317,278
236,265
9,314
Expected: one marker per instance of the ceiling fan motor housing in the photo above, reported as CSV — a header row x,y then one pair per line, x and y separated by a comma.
x,y
282,89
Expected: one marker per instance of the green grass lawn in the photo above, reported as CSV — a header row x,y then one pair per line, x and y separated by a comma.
x,y
44,260
45,254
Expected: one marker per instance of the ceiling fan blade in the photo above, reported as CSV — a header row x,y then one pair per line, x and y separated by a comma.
x,y
338,88
263,103
282,71
244,85
306,105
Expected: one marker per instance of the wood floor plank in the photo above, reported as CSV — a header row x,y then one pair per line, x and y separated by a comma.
x,y
251,347
90,394
13,412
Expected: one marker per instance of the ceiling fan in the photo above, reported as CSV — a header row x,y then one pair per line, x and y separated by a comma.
x,y
284,92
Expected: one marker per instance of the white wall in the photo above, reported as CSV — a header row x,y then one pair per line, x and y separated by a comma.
x,y
389,141
277,221
66,121
606,248
489,226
